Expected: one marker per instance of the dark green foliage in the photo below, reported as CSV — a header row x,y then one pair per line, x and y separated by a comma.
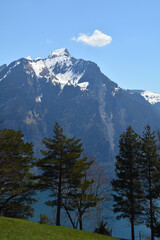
x,y
103,229
62,168
44,219
137,185
150,175
16,188
128,195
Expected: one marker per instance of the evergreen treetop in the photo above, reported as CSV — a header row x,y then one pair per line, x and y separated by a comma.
x,y
16,186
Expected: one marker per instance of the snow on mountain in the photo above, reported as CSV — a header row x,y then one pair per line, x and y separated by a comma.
x,y
115,91
63,60
37,66
83,86
68,78
38,98
59,68
10,69
59,53
32,99
151,97
29,58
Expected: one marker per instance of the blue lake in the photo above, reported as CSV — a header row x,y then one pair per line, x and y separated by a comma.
x,y
120,229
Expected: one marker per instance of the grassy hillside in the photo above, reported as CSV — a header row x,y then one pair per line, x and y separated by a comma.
x,y
16,229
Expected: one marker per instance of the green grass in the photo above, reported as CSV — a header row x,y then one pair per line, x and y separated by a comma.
x,y
17,229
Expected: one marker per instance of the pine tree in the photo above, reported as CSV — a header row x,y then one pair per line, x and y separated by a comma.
x,y
61,167
16,187
126,186
150,174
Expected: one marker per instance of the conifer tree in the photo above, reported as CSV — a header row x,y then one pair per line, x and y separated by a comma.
x,y
128,195
150,174
62,167
16,187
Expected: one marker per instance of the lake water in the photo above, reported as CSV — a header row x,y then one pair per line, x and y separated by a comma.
x,y
120,229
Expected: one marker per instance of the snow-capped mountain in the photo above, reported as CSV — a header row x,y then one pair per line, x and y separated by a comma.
x,y
59,68
151,97
67,73
36,93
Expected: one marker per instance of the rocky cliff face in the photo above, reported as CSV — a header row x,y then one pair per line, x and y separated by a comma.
x,y
36,93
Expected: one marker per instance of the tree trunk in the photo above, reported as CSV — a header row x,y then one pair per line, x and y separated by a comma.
x,y
1,211
132,230
132,205
151,205
151,215
70,218
80,222
58,220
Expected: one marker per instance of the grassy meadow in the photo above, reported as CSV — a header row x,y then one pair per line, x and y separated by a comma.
x,y
17,229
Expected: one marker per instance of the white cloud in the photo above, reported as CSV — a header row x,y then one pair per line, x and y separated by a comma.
x,y
97,39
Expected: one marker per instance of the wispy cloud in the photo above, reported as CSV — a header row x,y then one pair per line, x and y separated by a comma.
x,y
97,39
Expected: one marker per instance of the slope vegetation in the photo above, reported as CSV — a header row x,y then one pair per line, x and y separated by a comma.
x,y
16,229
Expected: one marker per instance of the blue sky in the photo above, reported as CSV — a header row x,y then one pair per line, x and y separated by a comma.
x,y
129,31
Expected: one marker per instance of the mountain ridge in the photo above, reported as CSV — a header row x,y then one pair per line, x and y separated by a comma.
x,y
75,93
150,96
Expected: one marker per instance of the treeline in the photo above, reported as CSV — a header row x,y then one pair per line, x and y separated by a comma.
x,y
78,187
75,184
137,183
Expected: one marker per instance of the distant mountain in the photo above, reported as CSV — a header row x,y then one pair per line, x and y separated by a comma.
x,y
74,92
152,98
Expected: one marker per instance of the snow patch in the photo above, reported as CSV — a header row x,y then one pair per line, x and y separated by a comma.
x,y
151,97
115,90
16,64
38,66
29,58
83,86
56,57
45,68
59,53
60,57
38,98
39,58
68,78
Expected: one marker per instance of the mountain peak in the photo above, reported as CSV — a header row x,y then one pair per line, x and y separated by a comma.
x,y
151,97
59,53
